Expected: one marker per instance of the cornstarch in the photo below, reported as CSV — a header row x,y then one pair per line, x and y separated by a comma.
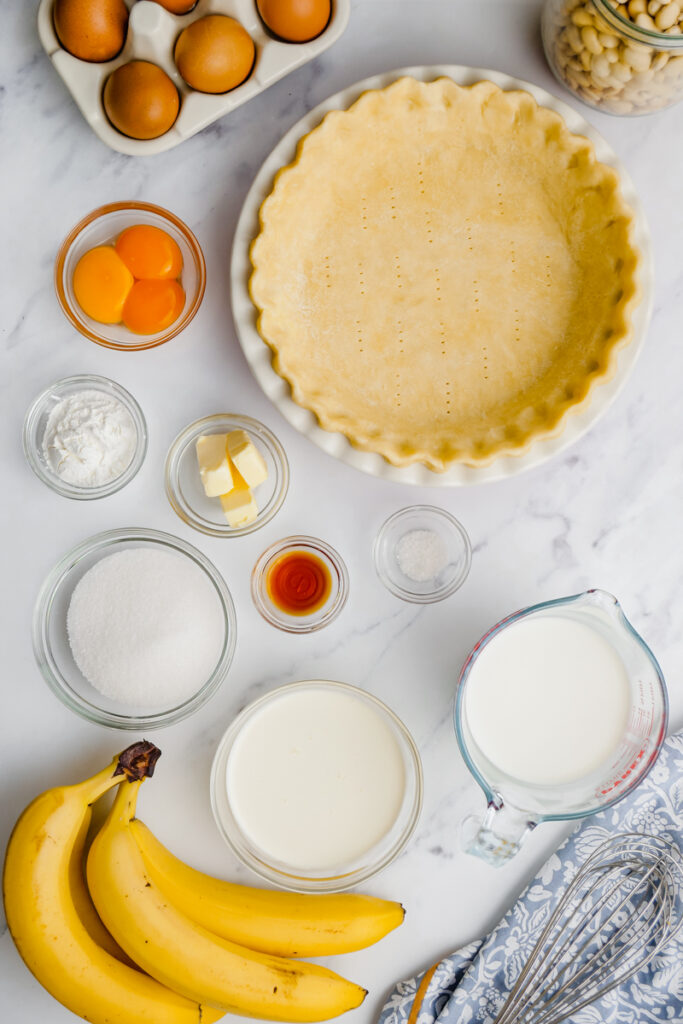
x,y
89,439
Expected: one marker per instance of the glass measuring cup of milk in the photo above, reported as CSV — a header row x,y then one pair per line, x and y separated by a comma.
x,y
561,709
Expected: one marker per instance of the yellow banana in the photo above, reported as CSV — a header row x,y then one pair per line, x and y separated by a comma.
x,y
83,905
282,923
54,924
182,954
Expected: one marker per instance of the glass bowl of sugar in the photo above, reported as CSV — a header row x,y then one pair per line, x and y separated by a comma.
x,y
422,554
134,629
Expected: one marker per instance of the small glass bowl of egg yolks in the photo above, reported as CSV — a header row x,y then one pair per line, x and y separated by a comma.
x,y
130,276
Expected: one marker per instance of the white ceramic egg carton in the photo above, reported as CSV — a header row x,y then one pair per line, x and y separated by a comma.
x,y
151,36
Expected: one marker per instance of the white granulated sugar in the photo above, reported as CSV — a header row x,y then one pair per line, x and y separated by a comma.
x,y
89,439
145,627
421,555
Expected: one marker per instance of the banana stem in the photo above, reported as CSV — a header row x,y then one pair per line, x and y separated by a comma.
x,y
125,802
134,763
138,761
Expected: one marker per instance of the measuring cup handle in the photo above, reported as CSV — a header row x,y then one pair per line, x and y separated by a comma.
x,y
499,836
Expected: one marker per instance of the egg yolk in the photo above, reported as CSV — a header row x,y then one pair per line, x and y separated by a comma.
x,y
149,252
152,306
101,284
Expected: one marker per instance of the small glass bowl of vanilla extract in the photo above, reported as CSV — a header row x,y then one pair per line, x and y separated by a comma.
x,y
300,584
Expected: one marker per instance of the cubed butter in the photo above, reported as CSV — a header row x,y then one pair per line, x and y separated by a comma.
x,y
238,504
246,458
214,464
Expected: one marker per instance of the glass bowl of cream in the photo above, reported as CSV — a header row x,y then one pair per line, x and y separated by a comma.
x,y
85,437
317,786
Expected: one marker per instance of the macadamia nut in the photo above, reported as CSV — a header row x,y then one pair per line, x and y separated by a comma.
x,y
609,66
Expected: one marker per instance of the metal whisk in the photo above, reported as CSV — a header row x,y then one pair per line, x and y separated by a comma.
x,y
620,910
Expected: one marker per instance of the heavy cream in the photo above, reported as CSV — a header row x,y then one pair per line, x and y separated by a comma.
x,y
316,778
547,700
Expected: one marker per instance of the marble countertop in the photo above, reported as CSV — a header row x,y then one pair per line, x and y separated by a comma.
x,y
605,513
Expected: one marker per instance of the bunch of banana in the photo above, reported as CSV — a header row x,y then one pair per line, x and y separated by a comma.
x,y
167,944
53,922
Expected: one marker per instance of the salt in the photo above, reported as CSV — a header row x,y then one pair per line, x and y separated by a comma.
x,y
146,627
421,555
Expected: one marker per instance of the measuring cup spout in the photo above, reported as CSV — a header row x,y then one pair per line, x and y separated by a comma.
x,y
499,836
604,600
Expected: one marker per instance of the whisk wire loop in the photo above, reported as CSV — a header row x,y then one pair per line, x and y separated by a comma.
x,y
621,908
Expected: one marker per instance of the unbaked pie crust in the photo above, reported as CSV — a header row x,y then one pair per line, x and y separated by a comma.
x,y
443,273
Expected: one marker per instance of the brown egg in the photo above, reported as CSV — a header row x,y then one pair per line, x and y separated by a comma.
x,y
93,30
295,20
214,54
178,6
141,100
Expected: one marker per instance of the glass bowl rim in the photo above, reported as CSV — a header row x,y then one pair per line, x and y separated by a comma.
x,y
638,33
302,883
429,511
43,609
122,206
95,382
180,444
292,623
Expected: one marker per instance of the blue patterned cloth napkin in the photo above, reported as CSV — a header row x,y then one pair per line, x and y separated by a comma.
x,y
469,986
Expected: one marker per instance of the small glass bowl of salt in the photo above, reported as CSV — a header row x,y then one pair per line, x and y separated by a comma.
x,y
422,554
85,437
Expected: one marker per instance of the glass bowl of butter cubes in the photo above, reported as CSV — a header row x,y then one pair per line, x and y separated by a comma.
x,y
226,475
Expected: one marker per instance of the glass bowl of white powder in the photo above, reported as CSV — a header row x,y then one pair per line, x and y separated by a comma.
x,y
134,629
85,437
422,554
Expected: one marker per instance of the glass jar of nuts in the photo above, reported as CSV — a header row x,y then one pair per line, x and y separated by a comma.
x,y
623,58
